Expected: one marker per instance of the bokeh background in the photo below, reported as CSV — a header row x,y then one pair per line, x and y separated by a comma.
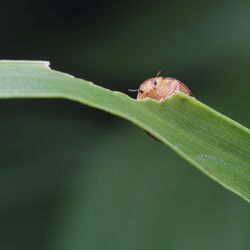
x,y
72,177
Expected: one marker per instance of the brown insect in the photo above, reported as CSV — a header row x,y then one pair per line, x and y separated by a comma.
x,y
160,88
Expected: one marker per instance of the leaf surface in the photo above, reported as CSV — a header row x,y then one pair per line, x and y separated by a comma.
x,y
213,143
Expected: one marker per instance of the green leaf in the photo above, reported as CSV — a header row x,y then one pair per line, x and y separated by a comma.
x,y
213,143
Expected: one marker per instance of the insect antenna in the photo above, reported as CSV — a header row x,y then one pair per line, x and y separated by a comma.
x,y
158,73
133,90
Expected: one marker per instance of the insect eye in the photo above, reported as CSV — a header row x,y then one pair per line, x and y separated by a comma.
x,y
154,82
141,91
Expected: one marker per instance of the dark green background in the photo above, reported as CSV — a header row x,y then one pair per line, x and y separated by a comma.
x,y
72,177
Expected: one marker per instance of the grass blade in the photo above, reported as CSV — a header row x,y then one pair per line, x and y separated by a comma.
x,y
213,143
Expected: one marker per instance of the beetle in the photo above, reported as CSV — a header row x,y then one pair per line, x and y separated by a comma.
x,y
160,88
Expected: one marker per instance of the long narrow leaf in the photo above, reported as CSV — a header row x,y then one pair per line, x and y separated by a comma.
x,y
213,143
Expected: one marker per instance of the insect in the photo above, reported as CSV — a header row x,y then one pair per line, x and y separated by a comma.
x,y
160,88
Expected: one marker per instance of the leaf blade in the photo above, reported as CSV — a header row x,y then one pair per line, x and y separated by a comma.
x,y
210,141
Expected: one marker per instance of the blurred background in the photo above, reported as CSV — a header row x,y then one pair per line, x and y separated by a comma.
x,y
72,177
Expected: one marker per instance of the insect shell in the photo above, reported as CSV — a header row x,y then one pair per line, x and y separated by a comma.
x,y
161,88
